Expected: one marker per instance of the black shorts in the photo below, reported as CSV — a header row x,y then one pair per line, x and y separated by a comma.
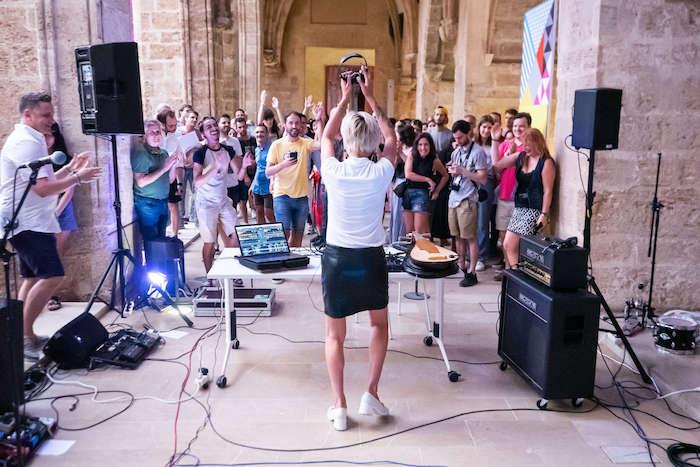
x,y
173,196
263,200
37,253
232,193
354,280
243,191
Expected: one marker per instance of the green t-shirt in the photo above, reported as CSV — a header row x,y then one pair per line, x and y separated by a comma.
x,y
145,161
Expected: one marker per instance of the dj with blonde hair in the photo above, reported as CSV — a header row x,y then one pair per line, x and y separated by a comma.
x,y
354,272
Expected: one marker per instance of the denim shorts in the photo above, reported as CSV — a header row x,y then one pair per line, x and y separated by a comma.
x,y
291,212
416,200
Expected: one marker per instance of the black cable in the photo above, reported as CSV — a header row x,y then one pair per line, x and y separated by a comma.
x,y
425,357
676,451
76,396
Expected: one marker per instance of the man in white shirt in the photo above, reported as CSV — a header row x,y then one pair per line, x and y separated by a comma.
x,y
354,273
33,234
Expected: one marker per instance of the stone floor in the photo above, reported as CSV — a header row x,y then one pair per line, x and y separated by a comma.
x,y
273,409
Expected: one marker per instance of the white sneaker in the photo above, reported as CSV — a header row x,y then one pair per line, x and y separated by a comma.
x,y
480,266
370,405
339,417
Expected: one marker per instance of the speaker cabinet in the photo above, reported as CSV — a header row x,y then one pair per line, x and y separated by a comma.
x,y
109,85
167,255
11,355
74,343
596,118
549,337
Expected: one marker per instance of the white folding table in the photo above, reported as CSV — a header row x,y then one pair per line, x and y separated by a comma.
x,y
226,268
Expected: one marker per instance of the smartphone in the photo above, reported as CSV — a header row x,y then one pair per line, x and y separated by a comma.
x,y
293,155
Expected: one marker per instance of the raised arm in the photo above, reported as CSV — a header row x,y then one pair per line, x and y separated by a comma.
x,y
332,128
263,98
278,112
387,130
319,114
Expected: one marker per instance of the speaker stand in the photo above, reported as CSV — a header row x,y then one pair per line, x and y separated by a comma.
x,y
590,196
119,255
6,257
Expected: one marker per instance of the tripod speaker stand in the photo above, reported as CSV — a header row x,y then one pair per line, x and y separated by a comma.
x,y
120,255
590,195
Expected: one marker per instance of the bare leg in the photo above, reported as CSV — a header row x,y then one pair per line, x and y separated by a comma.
x,y
174,218
335,359
208,255
501,238
408,221
510,247
297,237
378,342
259,214
270,215
422,222
473,254
461,245
62,242
244,210
35,298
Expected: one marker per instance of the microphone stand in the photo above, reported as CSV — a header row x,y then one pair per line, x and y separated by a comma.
x,y
6,257
656,206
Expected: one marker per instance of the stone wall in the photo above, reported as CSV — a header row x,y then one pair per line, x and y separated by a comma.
x,y
162,43
39,47
648,49
300,32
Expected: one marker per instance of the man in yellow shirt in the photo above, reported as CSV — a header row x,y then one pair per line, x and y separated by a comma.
x,y
288,162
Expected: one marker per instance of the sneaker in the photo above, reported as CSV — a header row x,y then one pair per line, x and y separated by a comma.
x,y
498,277
339,417
278,280
32,349
469,280
370,405
499,266
480,266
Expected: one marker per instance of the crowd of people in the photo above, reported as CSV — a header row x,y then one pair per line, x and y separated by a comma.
x,y
480,183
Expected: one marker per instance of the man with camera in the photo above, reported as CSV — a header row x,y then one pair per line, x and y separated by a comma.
x,y
468,166
288,162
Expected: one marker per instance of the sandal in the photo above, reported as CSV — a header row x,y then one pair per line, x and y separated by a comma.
x,y
54,304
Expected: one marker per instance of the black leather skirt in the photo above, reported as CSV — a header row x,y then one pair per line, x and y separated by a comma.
x,y
354,279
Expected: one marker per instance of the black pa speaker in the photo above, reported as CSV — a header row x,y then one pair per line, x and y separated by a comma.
x,y
596,118
549,337
74,343
167,255
11,355
109,85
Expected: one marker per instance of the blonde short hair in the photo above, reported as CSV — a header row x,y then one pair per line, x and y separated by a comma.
x,y
361,133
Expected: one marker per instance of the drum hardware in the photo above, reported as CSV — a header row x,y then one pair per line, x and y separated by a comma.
x,y
676,333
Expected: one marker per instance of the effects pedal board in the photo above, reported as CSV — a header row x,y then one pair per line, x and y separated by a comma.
x,y
126,349
30,432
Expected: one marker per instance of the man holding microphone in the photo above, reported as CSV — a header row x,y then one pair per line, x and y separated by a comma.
x,y
33,236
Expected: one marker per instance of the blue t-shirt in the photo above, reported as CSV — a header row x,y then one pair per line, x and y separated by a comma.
x,y
261,182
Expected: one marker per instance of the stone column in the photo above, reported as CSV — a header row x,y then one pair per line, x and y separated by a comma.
x,y
249,54
649,50
428,67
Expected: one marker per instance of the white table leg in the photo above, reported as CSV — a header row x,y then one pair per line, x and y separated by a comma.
x,y
230,323
438,329
427,310
398,298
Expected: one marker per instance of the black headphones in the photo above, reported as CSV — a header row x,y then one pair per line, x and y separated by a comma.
x,y
353,76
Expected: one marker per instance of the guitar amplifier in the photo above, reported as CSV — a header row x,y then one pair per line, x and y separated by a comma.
x,y
549,337
556,263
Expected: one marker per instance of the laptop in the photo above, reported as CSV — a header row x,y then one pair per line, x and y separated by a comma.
x,y
264,247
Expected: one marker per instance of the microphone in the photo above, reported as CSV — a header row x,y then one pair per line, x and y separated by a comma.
x,y
58,158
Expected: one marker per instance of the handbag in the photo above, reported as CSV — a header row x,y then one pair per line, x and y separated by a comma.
x,y
400,189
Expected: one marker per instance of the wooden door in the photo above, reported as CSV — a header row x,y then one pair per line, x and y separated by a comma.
x,y
333,88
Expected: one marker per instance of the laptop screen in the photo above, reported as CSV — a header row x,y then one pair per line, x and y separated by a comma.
x,y
262,239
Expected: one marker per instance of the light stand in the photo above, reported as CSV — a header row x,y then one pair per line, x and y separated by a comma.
x,y
118,255
590,195
656,206
6,256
